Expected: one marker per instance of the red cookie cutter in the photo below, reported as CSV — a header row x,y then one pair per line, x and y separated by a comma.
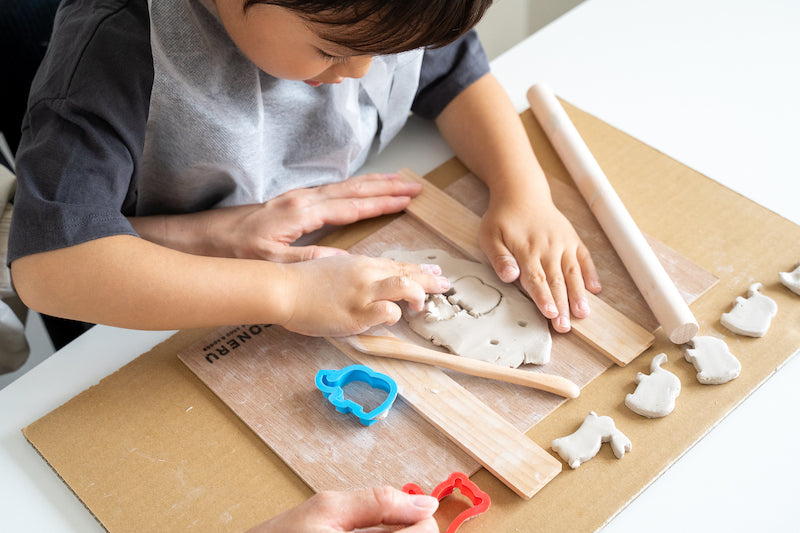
x,y
480,500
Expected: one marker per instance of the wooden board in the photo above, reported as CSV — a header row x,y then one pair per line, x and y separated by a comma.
x,y
469,423
266,376
267,379
526,468
151,448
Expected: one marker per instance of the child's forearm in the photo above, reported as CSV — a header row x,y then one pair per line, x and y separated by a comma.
x,y
129,282
522,233
483,129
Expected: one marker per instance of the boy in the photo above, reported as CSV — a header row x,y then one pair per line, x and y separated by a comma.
x,y
116,226
173,151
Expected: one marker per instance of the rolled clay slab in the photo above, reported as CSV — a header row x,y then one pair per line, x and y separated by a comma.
x,y
751,316
712,359
791,280
480,316
655,392
584,444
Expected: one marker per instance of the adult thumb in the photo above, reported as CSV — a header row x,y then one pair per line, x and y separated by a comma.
x,y
387,506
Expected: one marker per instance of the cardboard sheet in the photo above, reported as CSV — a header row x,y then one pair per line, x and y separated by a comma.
x,y
151,448
246,380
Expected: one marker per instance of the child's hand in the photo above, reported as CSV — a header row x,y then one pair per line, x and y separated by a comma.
x,y
533,241
266,231
349,511
348,294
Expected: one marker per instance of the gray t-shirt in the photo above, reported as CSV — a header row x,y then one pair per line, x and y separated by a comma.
x,y
120,124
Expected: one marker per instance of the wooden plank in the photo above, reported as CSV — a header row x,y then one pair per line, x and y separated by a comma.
x,y
609,331
505,452
265,375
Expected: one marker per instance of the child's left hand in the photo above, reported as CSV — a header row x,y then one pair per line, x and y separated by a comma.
x,y
529,239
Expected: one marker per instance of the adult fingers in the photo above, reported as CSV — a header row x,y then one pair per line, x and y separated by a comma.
x,y
429,525
385,505
370,185
341,211
344,202
281,253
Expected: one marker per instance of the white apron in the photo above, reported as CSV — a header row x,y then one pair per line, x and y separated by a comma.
x,y
222,132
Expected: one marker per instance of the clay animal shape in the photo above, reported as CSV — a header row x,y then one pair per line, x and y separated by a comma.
x,y
655,392
584,444
712,359
751,316
791,279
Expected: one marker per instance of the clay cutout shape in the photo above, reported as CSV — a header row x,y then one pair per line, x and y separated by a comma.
x,y
655,392
751,316
474,296
791,280
712,359
480,317
584,444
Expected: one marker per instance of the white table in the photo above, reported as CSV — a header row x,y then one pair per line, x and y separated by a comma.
x,y
696,79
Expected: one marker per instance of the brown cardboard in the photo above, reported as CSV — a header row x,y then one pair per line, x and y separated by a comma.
x,y
173,456
247,384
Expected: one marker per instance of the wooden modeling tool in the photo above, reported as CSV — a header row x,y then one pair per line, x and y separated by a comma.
x,y
394,348
644,267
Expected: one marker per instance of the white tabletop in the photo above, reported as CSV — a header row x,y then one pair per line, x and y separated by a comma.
x,y
700,80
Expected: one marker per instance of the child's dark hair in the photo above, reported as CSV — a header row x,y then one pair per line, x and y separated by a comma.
x,y
387,26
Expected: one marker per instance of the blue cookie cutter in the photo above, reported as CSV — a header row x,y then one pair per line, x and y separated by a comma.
x,y
332,382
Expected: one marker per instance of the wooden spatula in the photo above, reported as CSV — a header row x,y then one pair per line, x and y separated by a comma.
x,y
394,348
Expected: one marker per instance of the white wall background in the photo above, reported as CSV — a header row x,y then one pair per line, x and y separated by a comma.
x,y
508,22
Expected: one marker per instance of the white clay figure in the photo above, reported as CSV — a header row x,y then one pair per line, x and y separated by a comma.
x,y
751,316
656,392
712,359
791,279
584,444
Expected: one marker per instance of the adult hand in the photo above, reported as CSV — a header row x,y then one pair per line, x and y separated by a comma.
x,y
267,231
348,294
329,512
527,238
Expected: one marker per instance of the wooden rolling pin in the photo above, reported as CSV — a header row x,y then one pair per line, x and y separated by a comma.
x,y
395,348
644,267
